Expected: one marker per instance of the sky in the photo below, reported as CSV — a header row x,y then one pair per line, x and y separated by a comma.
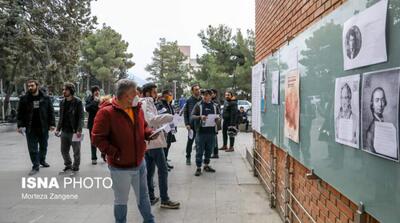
x,y
143,22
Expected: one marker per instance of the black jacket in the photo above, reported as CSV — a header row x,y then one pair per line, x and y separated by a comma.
x,y
76,109
187,110
230,113
163,107
91,107
25,111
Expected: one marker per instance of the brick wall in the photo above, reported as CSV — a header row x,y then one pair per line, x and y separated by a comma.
x,y
278,19
320,200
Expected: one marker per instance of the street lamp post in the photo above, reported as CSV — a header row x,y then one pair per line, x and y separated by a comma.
x,y
174,88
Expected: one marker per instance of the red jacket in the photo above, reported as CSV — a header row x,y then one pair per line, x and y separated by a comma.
x,y
115,135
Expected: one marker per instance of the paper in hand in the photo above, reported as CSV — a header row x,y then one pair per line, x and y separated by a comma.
x,y
190,134
75,138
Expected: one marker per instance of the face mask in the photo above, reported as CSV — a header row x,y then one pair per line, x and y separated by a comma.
x,y
135,101
169,99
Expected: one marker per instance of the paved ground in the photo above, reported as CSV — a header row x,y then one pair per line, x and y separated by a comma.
x,y
231,195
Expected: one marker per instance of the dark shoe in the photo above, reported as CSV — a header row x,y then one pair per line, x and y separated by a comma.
x,y
198,172
75,169
44,164
170,204
223,148
209,169
188,162
215,156
170,166
103,156
231,149
66,170
154,201
33,171
94,162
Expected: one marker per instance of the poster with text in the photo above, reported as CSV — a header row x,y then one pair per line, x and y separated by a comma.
x,y
275,88
347,111
380,113
262,87
292,105
364,37
256,77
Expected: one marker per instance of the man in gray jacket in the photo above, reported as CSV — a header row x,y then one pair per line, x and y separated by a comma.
x,y
155,153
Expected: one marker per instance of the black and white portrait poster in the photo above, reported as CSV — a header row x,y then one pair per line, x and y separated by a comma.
x,y
380,113
347,110
364,39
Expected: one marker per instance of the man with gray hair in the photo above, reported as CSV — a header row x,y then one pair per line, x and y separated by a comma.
x,y
120,132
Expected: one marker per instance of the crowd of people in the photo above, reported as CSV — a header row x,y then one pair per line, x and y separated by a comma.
x,y
125,129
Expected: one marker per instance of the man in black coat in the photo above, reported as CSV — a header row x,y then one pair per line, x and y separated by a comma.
x,y
217,103
91,107
165,107
187,114
230,117
35,118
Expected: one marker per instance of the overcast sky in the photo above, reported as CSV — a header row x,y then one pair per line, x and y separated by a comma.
x,y
143,22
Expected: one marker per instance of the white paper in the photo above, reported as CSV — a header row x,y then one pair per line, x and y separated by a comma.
x,y
190,134
162,111
75,138
364,37
210,121
346,129
177,119
385,139
275,88
162,128
347,111
256,96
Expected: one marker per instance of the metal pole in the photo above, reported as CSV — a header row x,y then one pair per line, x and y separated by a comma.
x,y
174,89
2,100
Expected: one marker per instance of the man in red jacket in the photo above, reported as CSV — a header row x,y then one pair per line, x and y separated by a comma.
x,y
120,131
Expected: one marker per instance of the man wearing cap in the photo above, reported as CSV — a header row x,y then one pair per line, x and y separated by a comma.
x,y
70,125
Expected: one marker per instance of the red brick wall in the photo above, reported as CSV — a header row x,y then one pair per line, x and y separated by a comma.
x,y
323,202
278,19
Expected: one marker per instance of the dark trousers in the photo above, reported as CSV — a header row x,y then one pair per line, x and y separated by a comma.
x,y
166,150
66,143
216,145
225,135
37,147
189,145
205,145
246,122
156,157
93,148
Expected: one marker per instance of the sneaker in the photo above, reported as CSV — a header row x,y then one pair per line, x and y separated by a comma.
x,y
223,148
198,172
44,164
33,171
66,170
209,169
94,162
154,201
231,149
170,204
188,162
215,156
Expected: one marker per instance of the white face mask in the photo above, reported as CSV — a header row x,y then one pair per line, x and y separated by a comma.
x,y
135,101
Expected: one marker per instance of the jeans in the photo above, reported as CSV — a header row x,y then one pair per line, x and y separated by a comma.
x,y
66,143
205,145
123,179
189,145
156,157
225,135
37,153
93,148
216,145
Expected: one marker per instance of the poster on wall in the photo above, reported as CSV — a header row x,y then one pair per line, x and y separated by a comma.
x,y
292,105
262,87
256,96
364,37
380,113
275,88
347,110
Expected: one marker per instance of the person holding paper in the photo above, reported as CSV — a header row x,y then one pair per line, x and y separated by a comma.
x,y
120,132
70,123
165,107
155,149
217,103
229,115
205,115
378,104
35,117
346,114
187,113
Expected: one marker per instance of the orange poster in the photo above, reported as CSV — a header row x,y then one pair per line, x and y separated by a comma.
x,y
292,105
